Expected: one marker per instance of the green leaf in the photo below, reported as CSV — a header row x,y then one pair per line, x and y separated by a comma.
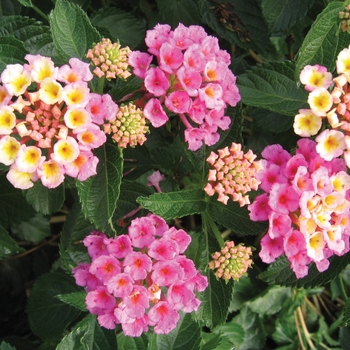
x,y
129,192
71,30
272,86
322,44
34,230
215,341
6,346
12,51
75,228
270,301
13,206
181,11
35,36
234,217
10,7
233,332
279,272
271,121
172,205
285,331
88,335
132,343
245,25
26,3
49,317
254,334
99,193
283,14
76,299
186,335
120,25
216,298
8,245
346,315
44,200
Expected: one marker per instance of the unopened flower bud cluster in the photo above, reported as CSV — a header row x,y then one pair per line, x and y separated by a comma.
x,y
232,262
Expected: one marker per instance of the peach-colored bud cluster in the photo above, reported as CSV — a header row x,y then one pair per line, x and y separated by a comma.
x,y
232,262
233,174
129,127
345,16
110,59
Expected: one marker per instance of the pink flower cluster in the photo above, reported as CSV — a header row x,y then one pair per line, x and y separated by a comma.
x,y
191,79
140,279
329,110
50,121
232,262
306,202
233,174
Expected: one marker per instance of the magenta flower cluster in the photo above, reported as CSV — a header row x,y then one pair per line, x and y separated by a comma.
x,y
140,279
306,202
191,79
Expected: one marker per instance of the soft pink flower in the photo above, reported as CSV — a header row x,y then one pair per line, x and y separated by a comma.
x,y
120,246
271,248
190,80
170,57
99,299
180,237
137,302
120,285
105,267
137,265
283,198
97,244
163,317
156,81
166,273
76,70
260,208
178,102
179,295
163,249
140,61
154,112
101,108
141,232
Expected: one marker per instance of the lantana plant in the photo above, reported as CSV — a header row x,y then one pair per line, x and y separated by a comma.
x,y
174,174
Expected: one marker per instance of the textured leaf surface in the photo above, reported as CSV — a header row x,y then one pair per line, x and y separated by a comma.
x,y
254,334
271,121
71,30
215,300
283,14
250,25
132,343
346,316
121,26
271,301
13,206
49,317
272,86
34,230
35,36
321,45
27,3
44,200
12,51
99,193
76,299
8,245
75,228
172,205
279,272
87,335
181,11
187,335
235,218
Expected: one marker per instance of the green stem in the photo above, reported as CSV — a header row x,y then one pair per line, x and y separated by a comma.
x,y
214,228
100,85
41,13
335,325
342,288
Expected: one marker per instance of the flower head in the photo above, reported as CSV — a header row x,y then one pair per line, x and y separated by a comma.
x,y
110,59
232,262
232,174
140,285
129,126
